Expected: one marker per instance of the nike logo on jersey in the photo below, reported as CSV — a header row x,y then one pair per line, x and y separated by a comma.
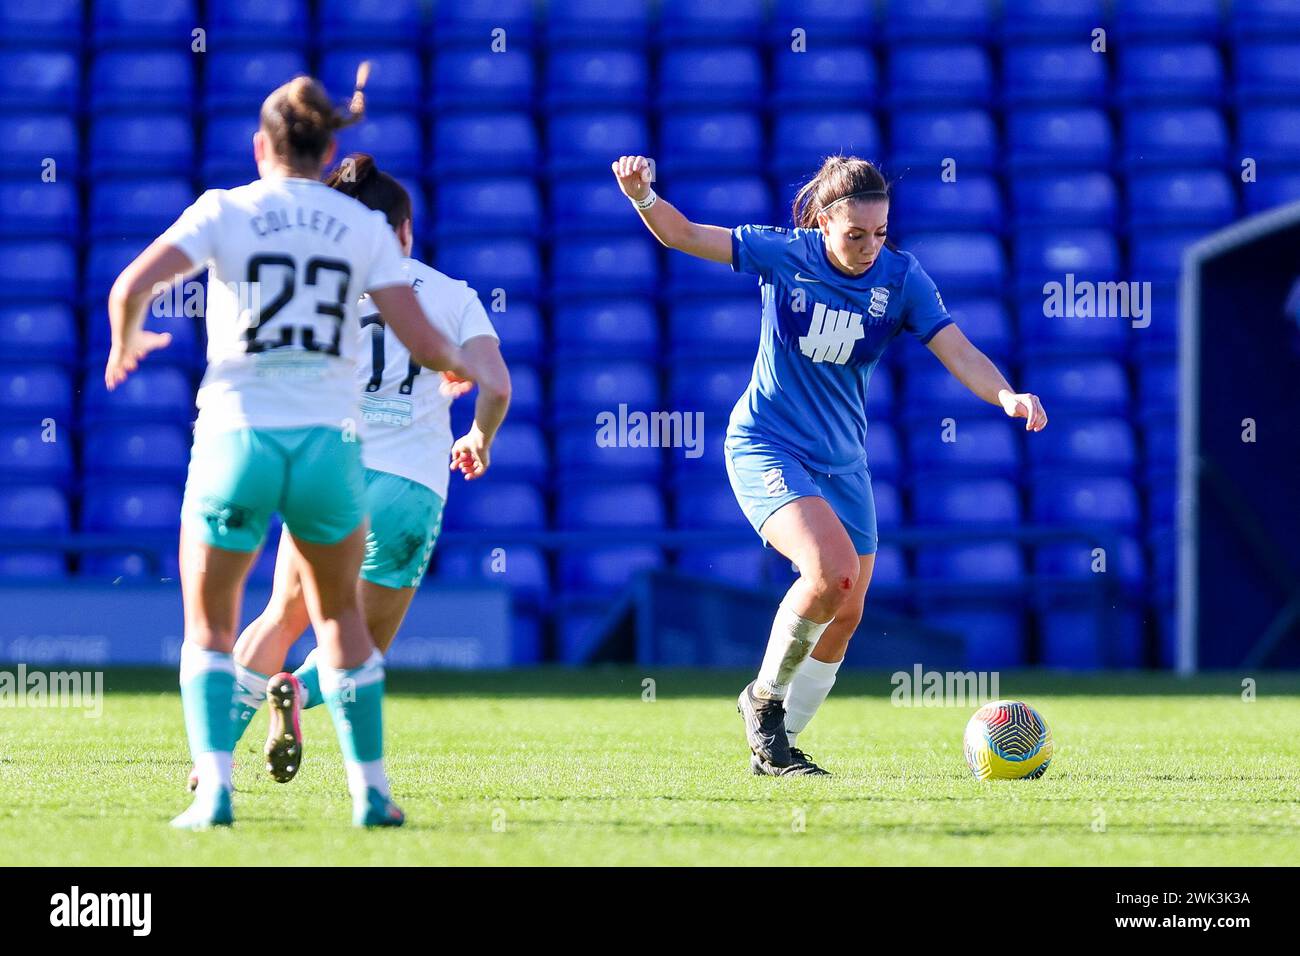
x,y
800,277
831,335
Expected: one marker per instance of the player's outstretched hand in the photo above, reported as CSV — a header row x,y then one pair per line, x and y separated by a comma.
x,y
125,358
1024,405
453,386
469,455
633,174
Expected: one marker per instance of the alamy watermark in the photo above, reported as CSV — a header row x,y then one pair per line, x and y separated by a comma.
x,y
44,689
1085,299
921,688
638,429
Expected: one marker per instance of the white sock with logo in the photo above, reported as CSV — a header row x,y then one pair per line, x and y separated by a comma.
x,y
792,639
808,690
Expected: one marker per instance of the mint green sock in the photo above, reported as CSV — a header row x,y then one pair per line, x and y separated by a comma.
x,y
356,703
208,699
308,674
250,695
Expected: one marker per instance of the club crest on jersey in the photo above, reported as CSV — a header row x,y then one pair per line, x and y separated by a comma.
x,y
879,302
831,334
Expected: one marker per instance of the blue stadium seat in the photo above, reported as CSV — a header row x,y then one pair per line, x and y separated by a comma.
x,y
1175,137
600,79
475,22
227,149
1048,255
1070,198
1071,333
396,77
256,23
985,323
711,386
883,455
931,20
499,206
509,264
1159,257
519,326
137,566
821,22
39,80
960,262
622,328
153,144
981,446
939,74
1074,560
526,400
729,202
1167,74
155,393
521,568
597,22
1103,446
693,276
590,206
39,269
397,137
1168,19
1071,637
944,500
711,77
925,138
586,504
1059,138
712,141
242,79
890,568
137,207
604,266
804,138
580,446
520,453
1073,499
583,388
33,209
137,451
740,565
993,629
397,22
685,21
1181,198
27,457
1079,384
970,201
141,80
33,138
1158,379
1054,74
482,505
51,23
714,327
583,142
105,261
1266,72
38,332
1265,19
701,503
1051,19
990,562
824,78
111,505
125,22
481,144
1160,442
1270,135
606,569
479,80
889,504
705,457
28,509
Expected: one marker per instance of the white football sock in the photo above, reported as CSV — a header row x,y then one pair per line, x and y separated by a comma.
x,y
791,641
808,690
213,768
250,687
364,775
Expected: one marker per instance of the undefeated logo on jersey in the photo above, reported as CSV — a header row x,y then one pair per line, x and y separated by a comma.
x,y
832,334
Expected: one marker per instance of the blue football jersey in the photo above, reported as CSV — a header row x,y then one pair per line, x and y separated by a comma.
x,y
823,332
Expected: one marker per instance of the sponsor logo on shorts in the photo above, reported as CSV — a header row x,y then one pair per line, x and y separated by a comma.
x,y
775,482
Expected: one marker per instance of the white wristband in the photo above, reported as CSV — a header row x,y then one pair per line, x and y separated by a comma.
x,y
643,204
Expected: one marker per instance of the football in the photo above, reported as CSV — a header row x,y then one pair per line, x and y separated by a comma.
x,y
1008,740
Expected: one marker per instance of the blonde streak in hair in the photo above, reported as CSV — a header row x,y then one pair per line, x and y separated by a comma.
x,y
357,104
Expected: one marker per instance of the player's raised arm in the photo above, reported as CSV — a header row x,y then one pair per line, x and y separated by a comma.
x,y
669,226
162,264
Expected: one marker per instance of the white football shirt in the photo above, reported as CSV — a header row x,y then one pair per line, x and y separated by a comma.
x,y
405,418
288,259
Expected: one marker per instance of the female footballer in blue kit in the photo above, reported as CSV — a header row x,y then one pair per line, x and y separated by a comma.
x,y
270,434
834,294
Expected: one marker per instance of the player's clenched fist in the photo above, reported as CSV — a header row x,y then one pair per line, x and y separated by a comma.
x,y
633,173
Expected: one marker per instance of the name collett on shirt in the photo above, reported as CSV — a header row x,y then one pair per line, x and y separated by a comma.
x,y
313,220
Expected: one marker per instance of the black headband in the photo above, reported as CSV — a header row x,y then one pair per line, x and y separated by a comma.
x,y
865,194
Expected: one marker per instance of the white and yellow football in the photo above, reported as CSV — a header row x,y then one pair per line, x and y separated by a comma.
x,y
1008,740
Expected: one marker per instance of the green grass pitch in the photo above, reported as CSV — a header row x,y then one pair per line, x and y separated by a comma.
x,y
574,767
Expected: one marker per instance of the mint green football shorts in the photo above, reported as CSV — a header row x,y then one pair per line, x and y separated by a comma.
x,y
405,519
313,477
